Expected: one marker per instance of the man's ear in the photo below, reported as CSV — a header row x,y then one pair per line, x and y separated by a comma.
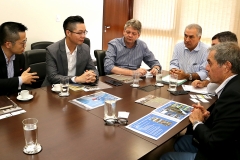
x,y
227,66
8,44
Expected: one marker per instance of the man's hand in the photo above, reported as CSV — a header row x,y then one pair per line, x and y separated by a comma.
x,y
205,113
200,84
196,115
88,76
181,74
154,70
28,78
142,71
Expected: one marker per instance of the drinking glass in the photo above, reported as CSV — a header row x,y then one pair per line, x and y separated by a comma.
x,y
109,108
64,87
159,78
135,79
31,134
173,78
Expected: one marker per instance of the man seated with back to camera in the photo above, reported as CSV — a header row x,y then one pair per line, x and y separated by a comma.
x,y
70,57
12,63
190,57
125,55
216,133
226,36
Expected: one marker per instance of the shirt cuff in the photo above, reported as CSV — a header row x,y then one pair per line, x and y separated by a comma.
x,y
73,79
19,82
195,125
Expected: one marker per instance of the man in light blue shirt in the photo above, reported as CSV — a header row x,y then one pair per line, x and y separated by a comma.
x,y
190,57
124,55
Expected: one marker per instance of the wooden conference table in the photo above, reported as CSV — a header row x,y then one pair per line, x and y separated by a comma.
x,y
67,131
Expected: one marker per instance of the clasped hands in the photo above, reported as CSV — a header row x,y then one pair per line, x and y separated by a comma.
x,y
88,76
199,113
181,74
143,71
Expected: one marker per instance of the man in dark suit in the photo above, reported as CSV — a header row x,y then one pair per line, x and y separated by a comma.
x,y
12,64
216,134
70,57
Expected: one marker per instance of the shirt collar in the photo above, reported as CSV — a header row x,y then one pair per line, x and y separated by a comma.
x,y
197,48
67,49
123,43
221,87
11,59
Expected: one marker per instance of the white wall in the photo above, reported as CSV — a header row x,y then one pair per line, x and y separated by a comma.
x,y
40,18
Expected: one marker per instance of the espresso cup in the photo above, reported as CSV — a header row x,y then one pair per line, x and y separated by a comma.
x,y
56,87
24,94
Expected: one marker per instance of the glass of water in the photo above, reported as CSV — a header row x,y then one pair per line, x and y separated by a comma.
x,y
30,129
159,78
173,78
109,108
64,82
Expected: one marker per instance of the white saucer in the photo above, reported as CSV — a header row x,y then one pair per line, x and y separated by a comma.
x,y
63,95
55,90
134,86
159,84
19,97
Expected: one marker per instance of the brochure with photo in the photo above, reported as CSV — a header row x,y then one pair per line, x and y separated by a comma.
x,y
157,123
94,100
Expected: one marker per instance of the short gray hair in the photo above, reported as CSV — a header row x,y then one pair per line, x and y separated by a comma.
x,y
135,24
196,26
227,51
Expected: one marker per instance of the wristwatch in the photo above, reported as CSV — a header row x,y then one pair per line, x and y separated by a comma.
x,y
190,76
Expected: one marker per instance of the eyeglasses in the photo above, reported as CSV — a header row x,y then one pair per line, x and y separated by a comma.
x,y
22,43
117,121
80,33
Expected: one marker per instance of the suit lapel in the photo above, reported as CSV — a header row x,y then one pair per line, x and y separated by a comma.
x,y
63,57
78,63
3,68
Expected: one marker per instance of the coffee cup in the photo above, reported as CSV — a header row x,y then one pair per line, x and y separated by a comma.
x,y
56,87
24,94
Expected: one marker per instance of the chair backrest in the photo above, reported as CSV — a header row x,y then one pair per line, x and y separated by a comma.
x,y
87,41
36,59
100,55
40,45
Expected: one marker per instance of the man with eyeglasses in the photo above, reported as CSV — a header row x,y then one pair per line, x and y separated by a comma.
x,y
12,63
124,55
70,57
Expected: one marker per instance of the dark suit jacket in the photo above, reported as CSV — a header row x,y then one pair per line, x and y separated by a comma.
x,y
219,137
10,85
57,64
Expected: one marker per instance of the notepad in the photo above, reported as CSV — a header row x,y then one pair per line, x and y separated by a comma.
x,y
165,79
5,102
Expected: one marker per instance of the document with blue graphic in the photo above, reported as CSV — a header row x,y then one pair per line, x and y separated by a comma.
x,y
161,120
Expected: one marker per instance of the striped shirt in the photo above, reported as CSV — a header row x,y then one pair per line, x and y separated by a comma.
x,y
131,58
194,61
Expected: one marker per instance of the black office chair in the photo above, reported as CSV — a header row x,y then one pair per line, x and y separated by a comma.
x,y
100,55
40,45
36,59
87,41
